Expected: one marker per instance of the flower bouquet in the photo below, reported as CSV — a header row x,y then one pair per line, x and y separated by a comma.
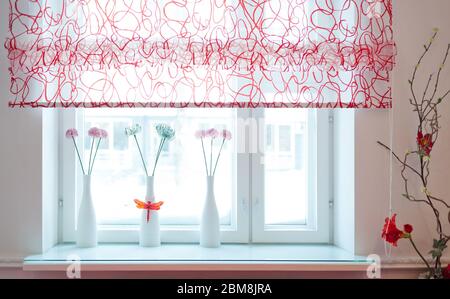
x,y
86,234
210,222
149,233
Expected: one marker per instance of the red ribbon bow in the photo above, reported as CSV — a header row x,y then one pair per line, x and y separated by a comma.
x,y
148,206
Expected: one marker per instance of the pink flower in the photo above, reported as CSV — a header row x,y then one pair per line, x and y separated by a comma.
x,y
95,132
213,133
103,133
200,134
71,133
226,134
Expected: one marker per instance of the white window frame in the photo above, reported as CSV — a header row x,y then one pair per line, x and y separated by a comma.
x,y
317,229
248,217
237,232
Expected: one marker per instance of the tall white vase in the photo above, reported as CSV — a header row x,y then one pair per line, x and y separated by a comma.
x,y
86,234
149,233
210,224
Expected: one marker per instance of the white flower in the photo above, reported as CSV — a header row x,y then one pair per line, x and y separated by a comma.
x,y
165,131
133,130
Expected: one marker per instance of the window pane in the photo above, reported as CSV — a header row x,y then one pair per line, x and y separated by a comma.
x,y
180,180
119,138
286,167
285,138
269,138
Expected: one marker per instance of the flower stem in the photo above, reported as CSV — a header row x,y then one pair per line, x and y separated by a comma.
x,y
95,155
140,153
78,154
204,156
210,160
161,144
218,156
420,254
90,154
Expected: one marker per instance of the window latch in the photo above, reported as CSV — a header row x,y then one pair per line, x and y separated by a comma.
x,y
244,204
330,119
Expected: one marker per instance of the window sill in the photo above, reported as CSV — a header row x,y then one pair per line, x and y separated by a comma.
x,y
192,257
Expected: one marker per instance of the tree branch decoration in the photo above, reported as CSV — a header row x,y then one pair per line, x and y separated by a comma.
x,y
417,163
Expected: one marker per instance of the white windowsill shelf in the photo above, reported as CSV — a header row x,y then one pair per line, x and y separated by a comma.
x,y
192,257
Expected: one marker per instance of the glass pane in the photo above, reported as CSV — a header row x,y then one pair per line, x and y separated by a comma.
x,y
269,138
180,181
285,138
120,140
286,167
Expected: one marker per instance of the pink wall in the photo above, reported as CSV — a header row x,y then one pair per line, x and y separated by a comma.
x,y
414,21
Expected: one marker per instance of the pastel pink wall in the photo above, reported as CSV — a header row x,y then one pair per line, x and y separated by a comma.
x,y
414,21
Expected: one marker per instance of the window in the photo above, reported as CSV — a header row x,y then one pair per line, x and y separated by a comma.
x,y
290,185
285,138
267,183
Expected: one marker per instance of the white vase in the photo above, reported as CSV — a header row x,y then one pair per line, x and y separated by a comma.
x,y
86,234
149,232
210,224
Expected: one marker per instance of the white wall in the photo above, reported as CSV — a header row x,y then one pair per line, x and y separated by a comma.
x,y
28,188
20,168
50,178
344,179
21,182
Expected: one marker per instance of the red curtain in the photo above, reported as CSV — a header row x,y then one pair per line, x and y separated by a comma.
x,y
201,53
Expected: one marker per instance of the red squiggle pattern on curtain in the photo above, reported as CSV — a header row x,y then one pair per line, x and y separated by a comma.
x,y
201,53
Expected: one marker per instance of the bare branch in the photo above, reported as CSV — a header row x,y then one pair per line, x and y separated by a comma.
x,y
436,84
426,88
428,123
413,78
398,159
439,72
440,200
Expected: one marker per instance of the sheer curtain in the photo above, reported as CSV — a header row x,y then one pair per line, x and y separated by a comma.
x,y
201,53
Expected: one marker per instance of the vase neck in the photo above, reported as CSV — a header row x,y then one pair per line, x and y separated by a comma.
x,y
86,181
150,195
210,183
150,180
